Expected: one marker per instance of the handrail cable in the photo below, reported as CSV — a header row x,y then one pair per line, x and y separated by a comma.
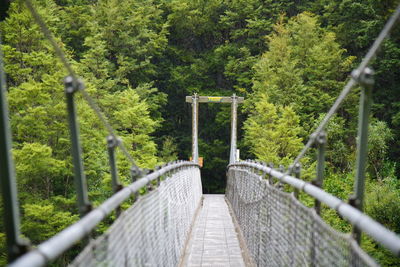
x,y
356,74
90,100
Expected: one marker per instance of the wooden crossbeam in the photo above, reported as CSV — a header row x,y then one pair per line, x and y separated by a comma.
x,y
215,99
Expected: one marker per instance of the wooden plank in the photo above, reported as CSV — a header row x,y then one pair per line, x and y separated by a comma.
x,y
215,99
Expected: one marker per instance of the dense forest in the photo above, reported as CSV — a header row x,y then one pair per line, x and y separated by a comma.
x,y
140,58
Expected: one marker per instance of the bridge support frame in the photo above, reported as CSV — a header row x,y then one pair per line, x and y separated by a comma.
x,y
233,153
366,80
195,128
195,100
16,246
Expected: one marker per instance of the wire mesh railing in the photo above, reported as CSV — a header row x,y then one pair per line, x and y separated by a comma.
x,y
280,231
152,232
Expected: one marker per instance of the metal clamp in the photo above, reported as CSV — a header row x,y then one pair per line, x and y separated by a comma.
x,y
136,173
321,138
73,85
365,77
113,141
296,169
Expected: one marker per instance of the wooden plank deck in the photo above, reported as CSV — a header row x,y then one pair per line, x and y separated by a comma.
x,y
213,240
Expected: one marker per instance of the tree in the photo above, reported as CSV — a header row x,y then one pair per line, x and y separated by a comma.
x,y
133,33
39,119
304,67
379,137
357,24
272,132
37,170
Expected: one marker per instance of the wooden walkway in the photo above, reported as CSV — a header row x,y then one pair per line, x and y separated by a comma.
x,y
213,240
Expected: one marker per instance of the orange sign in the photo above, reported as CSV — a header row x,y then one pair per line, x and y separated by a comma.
x,y
200,161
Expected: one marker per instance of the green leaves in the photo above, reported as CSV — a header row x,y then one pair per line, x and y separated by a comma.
x,y
296,80
133,33
379,136
140,58
272,132
37,169
43,221
304,67
111,53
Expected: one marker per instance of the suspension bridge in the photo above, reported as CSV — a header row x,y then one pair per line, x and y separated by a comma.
x,y
256,223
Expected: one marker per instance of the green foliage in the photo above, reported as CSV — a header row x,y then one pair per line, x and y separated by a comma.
x,y
3,250
382,204
139,59
379,136
357,24
74,27
304,67
38,111
131,116
37,169
168,152
133,33
273,127
303,71
44,221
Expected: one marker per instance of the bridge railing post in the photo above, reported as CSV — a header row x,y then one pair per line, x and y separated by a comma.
x,y
112,143
321,144
232,157
296,171
279,184
270,177
136,173
366,79
71,87
16,246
